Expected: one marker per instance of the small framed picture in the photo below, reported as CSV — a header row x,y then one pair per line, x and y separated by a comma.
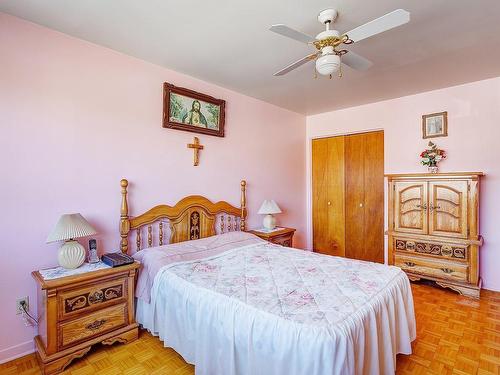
x,y
435,125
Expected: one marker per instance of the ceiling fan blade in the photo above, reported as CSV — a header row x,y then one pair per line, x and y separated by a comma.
x,y
291,33
296,64
355,61
389,21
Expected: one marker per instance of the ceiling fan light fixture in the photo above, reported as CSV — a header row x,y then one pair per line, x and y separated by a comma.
x,y
327,64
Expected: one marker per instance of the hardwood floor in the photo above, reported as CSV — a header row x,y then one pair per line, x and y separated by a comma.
x,y
455,335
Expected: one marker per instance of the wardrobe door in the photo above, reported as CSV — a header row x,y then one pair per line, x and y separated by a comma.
x,y
410,206
328,196
448,208
364,192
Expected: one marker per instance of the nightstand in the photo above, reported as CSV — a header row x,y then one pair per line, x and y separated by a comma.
x,y
283,236
80,310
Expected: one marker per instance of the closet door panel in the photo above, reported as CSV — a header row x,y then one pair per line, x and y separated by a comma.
x,y
336,195
355,196
374,197
328,196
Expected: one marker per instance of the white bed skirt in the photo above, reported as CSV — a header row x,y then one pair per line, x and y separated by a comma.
x,y
223,336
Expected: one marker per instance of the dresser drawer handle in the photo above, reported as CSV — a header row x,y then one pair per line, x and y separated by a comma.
x,y
410,264
96,325
447,270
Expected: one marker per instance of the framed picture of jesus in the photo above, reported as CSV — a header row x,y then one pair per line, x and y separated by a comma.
x,y
188,110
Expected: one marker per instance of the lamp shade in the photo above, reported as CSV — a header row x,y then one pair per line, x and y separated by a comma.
x,y
269,207
70,226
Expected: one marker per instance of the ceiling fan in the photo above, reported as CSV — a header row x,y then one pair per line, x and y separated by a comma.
x,y
329,43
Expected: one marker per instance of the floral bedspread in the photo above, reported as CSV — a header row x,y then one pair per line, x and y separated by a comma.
x,y
301,286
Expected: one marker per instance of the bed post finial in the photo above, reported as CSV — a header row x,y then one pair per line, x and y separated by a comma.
x,y
243,204
124,222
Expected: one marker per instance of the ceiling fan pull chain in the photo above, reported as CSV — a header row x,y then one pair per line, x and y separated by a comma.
x,y
340,67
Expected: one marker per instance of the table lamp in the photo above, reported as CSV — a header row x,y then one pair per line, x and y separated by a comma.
x,y
268,208
70,226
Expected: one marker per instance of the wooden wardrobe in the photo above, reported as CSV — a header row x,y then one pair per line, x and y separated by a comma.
x,y
348,196
434,228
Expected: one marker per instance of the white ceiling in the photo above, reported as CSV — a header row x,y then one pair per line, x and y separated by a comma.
x,y
227,42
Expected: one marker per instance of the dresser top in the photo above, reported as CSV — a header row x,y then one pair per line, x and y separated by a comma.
x,y
435,175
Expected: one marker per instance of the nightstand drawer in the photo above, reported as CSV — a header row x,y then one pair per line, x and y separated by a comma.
x,y
92,325
280,236
284,240
92,297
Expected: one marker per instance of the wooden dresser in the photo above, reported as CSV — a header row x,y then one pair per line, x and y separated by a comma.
x,y
76,312
283,237
434,228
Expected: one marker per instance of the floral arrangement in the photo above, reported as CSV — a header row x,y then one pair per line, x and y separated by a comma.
x,y
432,155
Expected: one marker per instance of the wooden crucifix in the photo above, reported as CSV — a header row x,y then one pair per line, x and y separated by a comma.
x,y
196,149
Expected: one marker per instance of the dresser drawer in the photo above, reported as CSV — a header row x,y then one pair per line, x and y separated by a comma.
x,y
436,249
75,301
92,325
432,267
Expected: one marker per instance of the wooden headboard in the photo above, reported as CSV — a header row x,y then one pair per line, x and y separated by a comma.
x,y
193,217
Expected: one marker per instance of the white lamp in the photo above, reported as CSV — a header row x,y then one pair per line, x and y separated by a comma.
x,y
268,208
70,226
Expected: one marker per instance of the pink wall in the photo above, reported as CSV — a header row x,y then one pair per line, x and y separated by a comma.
x,y
472,145
76,118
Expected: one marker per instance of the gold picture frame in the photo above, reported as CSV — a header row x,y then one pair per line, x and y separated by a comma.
x,y
435,125
192,111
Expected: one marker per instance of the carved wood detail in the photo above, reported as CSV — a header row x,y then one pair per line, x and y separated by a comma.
x,y
194,225
150,236
92,297
160,235
439,249
182,218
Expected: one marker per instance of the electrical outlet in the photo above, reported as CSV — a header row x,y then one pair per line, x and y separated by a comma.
x,y
19,303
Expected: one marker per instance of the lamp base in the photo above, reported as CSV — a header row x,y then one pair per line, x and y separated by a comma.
x,y
269,222
71,255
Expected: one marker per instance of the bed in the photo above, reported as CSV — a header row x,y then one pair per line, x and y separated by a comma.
x,y
231,303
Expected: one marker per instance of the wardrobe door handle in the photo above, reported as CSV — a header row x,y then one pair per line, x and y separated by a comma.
x,y
329,203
